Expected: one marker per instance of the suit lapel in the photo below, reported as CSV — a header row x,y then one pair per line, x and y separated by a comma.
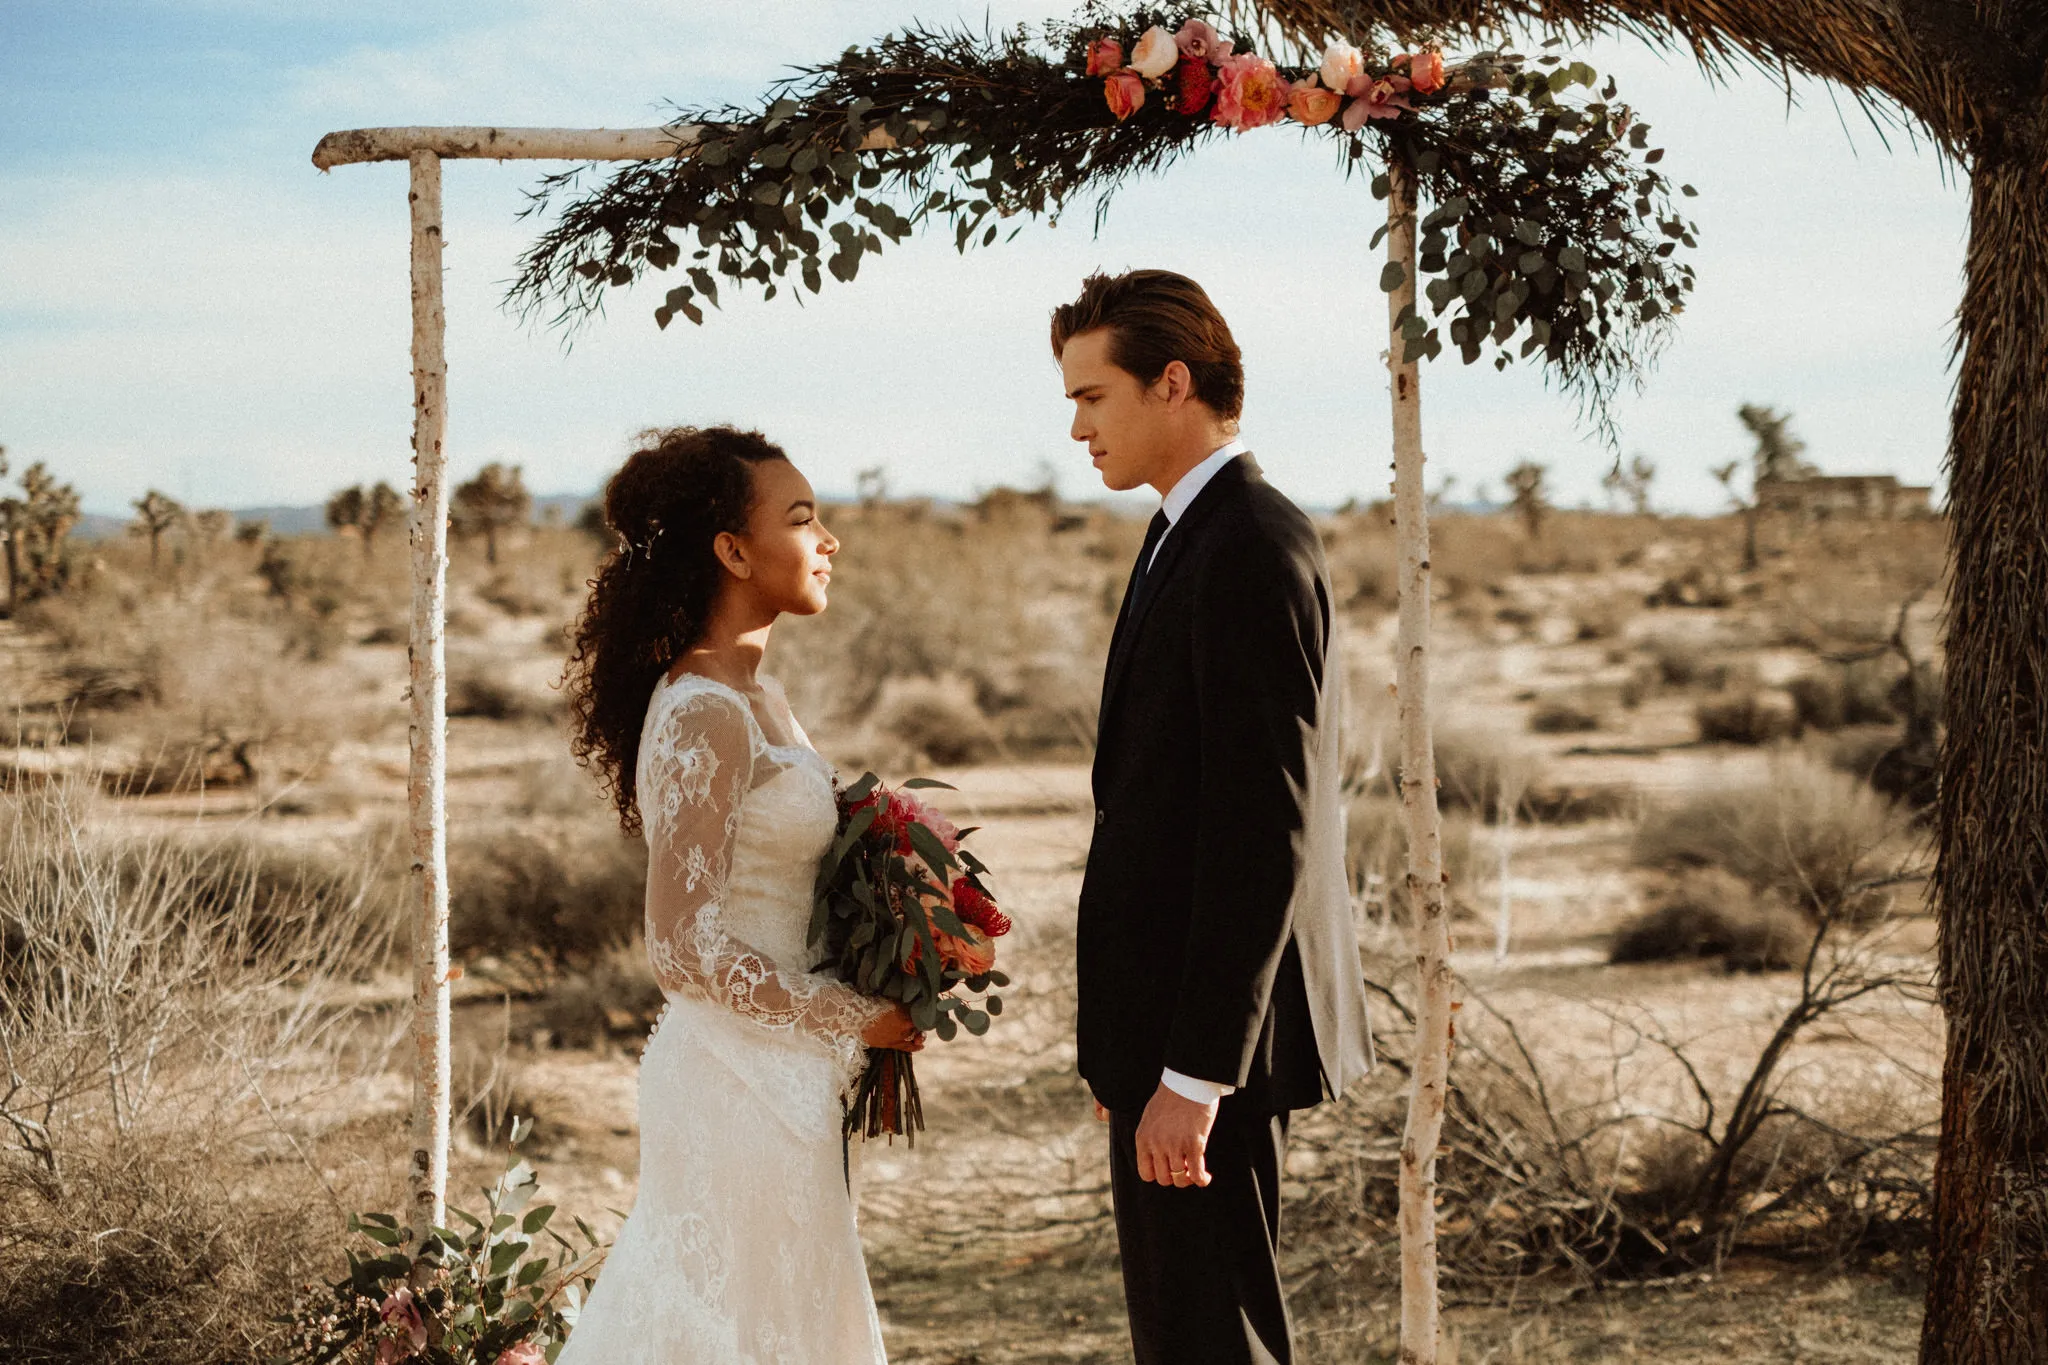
x,y
1131,619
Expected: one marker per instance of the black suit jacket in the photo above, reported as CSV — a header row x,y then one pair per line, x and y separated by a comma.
x,y
1215,932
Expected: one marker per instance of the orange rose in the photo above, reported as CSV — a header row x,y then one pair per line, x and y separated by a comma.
x,y
1310,103
1426,72
1125,91
972,954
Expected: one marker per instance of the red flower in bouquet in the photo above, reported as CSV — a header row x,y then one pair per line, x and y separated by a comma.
x,y
898,811
976,907
1197,85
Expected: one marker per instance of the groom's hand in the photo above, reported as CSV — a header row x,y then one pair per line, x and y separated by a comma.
x,y
1172,1136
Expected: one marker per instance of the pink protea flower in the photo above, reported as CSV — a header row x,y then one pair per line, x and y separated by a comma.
x,y
1202,42
523,1353
1250,92
1375,97
1125,91
403,1332
1104,56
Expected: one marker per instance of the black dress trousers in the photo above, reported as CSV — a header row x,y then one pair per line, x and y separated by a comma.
x,y
1201,1268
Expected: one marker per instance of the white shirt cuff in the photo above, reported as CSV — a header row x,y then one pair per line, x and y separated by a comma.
x,y
1194,1087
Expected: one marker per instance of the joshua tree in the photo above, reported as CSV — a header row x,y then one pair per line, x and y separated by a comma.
x,y
495,499
154,515
41,518
1631,483
1530,500
1777,449
1970,75
365,511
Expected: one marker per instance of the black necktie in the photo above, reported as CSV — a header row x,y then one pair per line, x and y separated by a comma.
x,y
1153,534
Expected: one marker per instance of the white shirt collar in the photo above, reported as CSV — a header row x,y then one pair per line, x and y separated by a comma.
x,y
1183,494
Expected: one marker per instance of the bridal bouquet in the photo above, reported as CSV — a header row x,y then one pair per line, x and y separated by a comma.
x,y
904,915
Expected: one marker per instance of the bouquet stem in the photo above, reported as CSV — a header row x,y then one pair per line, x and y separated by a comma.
x,y
886,1100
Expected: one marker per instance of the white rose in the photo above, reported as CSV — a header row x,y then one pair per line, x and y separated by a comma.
x,y
1155,53
1341,61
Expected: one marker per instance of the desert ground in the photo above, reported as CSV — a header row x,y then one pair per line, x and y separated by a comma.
x,y
1698,1054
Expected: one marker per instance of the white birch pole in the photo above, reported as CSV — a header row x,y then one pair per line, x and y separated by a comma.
x,y
1431,1059
427,779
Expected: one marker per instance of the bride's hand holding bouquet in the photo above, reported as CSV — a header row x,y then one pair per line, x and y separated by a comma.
x,y
904,915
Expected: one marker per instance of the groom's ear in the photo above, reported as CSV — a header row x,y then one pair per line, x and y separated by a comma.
x,y
1175,385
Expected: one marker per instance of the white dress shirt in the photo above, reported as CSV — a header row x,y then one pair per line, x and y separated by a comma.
x,y
1178,499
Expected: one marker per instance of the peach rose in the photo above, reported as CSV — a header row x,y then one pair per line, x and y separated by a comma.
x,y
1426,72
1381,98
1201,42
1250,92
1104,56
523,1353
1341,62
1125,91
1311,104
1156,54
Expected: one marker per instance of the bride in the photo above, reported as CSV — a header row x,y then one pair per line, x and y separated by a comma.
x,y
741,1246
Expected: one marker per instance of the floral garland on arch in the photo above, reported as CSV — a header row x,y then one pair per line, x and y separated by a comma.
x,y
1549,228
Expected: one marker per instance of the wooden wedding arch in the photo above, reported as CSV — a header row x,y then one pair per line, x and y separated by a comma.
x,y
425,148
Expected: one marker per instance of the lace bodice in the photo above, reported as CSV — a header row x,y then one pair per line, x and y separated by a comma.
x,y
735,827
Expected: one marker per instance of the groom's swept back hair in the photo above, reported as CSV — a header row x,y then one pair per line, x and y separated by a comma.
x,y
1155,317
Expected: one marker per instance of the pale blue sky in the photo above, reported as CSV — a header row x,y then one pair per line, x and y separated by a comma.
x,y
186,304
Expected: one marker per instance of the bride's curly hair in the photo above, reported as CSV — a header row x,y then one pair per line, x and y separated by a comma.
x,y
654,592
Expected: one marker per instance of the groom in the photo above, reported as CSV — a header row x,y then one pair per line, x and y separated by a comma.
x,y
1219,974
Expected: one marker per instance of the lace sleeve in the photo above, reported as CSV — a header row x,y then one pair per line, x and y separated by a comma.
x,y
700,767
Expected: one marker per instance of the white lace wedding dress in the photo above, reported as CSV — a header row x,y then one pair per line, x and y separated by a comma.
x,y
741,1248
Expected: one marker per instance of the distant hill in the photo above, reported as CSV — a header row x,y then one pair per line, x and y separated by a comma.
x,y
299,521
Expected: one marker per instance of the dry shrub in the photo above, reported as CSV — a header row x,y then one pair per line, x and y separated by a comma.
x,y
1711,913
1806,834
164,1021
1695,586
1563,716
930,720
1603,616
1476,768
611,998
1376,852
1747,717
1682,662
489,1089
1857,693
548,892
479,689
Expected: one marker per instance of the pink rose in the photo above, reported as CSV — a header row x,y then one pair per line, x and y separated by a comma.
x,y
1310,103
1201,42
1104,56
523,1353
908,806
1156,54
1374,98
1250,92
1426,72
1125,91
405,1334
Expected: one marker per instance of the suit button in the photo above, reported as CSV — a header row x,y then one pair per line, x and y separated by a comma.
x,y
1098,818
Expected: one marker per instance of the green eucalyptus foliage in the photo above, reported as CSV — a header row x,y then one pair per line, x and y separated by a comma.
x,y
1551,231
477,1291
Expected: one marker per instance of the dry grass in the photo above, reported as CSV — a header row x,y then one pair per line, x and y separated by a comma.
x,y
170,1025
1809,835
